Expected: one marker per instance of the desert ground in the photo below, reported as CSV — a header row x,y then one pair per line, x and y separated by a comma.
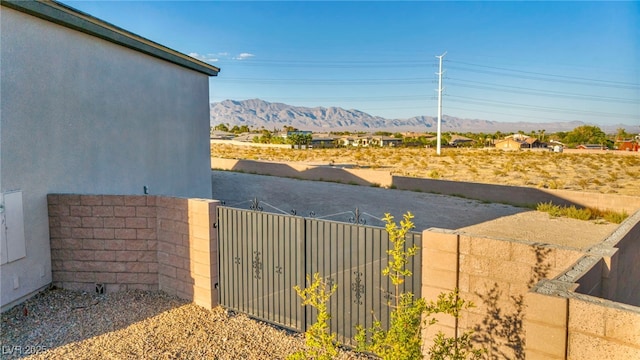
x,y
609,172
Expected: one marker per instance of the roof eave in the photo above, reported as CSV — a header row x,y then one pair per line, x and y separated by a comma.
x,y
74,19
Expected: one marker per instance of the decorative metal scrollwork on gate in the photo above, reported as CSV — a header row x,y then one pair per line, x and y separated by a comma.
x,y
357,287
257,265
355,219
255,205
387,295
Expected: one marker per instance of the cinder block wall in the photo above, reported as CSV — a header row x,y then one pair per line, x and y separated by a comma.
x,y
624,265
590,283
590,310
187,249
495,275
109,240
134,242
602,330
563,324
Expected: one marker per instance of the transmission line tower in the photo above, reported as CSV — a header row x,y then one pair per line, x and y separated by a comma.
x,y
439,135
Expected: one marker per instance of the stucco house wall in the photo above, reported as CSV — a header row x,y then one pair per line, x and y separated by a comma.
x,y
81,113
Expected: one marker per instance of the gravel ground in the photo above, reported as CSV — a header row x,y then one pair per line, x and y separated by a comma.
x,y
62,324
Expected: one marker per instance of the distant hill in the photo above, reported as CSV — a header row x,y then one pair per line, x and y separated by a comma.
x,y
258,113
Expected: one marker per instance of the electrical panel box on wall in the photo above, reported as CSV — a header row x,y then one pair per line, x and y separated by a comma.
x,y
12,241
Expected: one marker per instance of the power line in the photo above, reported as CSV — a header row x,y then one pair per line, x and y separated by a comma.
x,y
334,64
550,75
537,92
478,101
309,81
439,73
504,113
554,80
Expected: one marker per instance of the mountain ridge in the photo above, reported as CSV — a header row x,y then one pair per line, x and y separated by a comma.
x,y
258,113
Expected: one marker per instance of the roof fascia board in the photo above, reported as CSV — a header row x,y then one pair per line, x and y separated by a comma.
x,y
74,19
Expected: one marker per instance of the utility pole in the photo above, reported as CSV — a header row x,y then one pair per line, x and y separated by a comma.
x,y
439,136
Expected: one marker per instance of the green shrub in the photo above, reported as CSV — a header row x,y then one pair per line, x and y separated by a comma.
x,y
582,213
403,340
578,213
615,217
320,342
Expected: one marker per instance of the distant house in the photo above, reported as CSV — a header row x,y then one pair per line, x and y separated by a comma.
x,y
88,108
369,140
323,141
458,140
386,141
517,137
362,140
591,147
532,142
509,144
246,137
221,135
555,143
628,145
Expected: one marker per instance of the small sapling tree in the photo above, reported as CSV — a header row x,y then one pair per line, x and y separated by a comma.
x,y
403,339
320,342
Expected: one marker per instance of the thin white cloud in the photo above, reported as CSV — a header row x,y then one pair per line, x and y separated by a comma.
x,y
243,56
210,58
206,58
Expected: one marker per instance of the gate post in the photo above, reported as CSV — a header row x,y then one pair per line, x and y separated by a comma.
x,y
440,273
301,271
203,250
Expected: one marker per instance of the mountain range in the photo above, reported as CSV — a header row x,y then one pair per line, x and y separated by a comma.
x,y
257,113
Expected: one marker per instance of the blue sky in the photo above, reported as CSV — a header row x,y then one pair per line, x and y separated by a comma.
x,y
505,61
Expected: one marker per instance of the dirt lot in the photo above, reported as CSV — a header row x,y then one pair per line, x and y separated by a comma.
x,y
610,172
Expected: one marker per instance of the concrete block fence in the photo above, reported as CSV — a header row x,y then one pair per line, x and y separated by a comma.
x,y
119,242
493,274
539,301
534,300
592,309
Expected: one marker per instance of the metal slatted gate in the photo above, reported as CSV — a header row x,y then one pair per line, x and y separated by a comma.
x,y
262,256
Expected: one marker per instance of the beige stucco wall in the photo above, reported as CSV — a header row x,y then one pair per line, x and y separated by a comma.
x,y
83,115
